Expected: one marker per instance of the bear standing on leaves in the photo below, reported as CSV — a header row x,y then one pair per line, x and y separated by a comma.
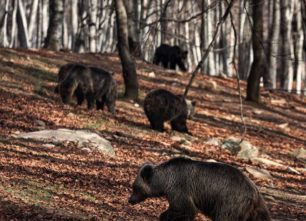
x,y
90,83
218,190
170,56
161,105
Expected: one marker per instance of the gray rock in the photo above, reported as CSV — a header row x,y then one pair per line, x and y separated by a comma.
x,y
49,145
267,162
300,153
82,139
152,75
259,173
244,150
40,123
232,144
213,141
290,169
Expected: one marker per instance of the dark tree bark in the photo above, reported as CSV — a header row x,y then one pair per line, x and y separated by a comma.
x,y
55,25
128,65
258,66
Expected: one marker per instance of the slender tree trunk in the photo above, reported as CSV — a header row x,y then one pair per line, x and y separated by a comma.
x,y
92,25
223,44
45,19
74,22
14,29
245,45
53,39
22,26
211,61
258,66
286,77
128,65
32,19
299,40
133,27
274,44
3,27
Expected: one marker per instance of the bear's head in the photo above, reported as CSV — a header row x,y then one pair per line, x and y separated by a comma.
x,y
190,108
66,90
142,184
184,54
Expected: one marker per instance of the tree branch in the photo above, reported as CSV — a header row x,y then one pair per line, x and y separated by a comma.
x,y
209,46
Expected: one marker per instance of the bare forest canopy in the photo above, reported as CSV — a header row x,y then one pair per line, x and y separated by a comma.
x,y
90,26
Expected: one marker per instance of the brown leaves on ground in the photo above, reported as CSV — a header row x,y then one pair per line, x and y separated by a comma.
x,y
39,181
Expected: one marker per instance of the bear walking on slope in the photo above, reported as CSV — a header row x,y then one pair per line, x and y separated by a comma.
x,y
161,105
90,83
170,57
218,190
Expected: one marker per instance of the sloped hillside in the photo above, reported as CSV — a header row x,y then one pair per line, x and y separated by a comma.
x,y
39,181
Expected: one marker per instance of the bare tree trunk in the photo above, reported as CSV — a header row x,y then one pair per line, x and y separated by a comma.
x,y
274,43
74,22
22,26
163,21
3,27
211,61
32,20
258,66
133,27
128,65
14,29
92,25
53,39
244,55
299,40
286,77
45,18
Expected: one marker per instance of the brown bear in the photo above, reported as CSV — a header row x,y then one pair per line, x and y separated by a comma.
x,y
161,105
90,83
170,57
218,190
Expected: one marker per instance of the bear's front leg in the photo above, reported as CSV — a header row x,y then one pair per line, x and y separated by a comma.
x,y
80,96
179,124
90,100
100,104
176,215
157,125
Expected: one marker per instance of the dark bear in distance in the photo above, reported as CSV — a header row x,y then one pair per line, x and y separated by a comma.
x,y
218,190
90,83
170,56
161,105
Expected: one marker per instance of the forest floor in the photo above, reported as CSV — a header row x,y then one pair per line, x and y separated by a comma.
x,y
62,182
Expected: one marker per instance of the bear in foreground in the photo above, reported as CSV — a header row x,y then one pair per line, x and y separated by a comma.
x,y
170,56
218,190
161,105
90,83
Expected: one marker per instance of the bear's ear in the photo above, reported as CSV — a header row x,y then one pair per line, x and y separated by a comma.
x,y
194,103
146,172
